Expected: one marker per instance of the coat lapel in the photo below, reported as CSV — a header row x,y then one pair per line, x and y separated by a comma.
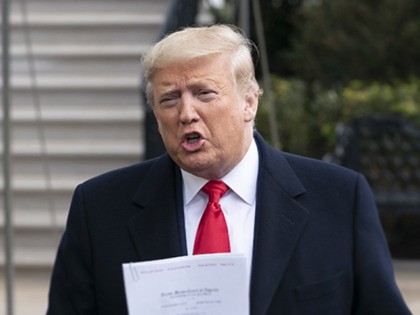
x,y
157,229
280,221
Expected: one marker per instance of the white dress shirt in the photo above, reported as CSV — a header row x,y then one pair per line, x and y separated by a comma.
x,y
238,204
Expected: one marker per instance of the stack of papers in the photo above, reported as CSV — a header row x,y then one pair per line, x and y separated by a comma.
x,y
214,284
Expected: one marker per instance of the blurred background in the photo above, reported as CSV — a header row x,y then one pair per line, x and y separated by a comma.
x,y
341,82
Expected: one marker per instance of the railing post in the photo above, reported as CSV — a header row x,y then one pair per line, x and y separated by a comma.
x,y
8,248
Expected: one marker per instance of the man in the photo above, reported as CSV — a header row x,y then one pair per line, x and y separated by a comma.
x,y
309,229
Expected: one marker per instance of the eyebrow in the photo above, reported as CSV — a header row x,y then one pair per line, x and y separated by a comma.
x,y
169,90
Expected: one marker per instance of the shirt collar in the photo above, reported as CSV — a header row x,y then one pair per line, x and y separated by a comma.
x,y
242,179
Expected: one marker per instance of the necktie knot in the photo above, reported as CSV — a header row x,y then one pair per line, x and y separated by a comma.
x,y
215,189
212,232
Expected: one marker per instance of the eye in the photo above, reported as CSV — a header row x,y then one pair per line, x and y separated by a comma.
x,y
168,101
206,95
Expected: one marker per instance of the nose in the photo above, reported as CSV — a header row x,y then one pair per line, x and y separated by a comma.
x,y
187,111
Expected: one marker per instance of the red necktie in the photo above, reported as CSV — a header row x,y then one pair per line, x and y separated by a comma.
x,y
212,233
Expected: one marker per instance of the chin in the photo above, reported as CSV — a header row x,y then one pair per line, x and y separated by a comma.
x,y
197,168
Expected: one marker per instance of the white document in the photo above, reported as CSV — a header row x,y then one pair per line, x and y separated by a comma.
x,y
214,284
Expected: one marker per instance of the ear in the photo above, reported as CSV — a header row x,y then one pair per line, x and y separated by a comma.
x,y
251,106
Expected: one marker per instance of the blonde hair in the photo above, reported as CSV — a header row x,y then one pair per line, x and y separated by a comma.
x,y
195,42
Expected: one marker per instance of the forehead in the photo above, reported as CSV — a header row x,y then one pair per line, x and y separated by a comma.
x,y
214,68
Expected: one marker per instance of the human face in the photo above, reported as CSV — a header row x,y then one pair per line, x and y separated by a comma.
x,y
205,122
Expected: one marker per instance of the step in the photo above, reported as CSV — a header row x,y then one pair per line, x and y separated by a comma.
x,y
104,135
103,35
99,66
98,6
76,112
34,248
61,166
91,148
86,114
75,82
37,219
39,169
32,258
117,129
84,20
37,184
76,50
77,97
100,60
98,34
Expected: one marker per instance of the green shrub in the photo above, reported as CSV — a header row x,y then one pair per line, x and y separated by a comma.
x,y
308,116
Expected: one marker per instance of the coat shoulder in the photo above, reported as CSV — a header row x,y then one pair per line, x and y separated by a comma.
x,y
311,167
132,175
322,176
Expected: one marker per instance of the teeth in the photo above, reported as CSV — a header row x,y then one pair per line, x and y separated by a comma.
x,y
193,138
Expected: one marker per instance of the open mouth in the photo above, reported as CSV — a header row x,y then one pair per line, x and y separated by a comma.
x,y
192,142
193,138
